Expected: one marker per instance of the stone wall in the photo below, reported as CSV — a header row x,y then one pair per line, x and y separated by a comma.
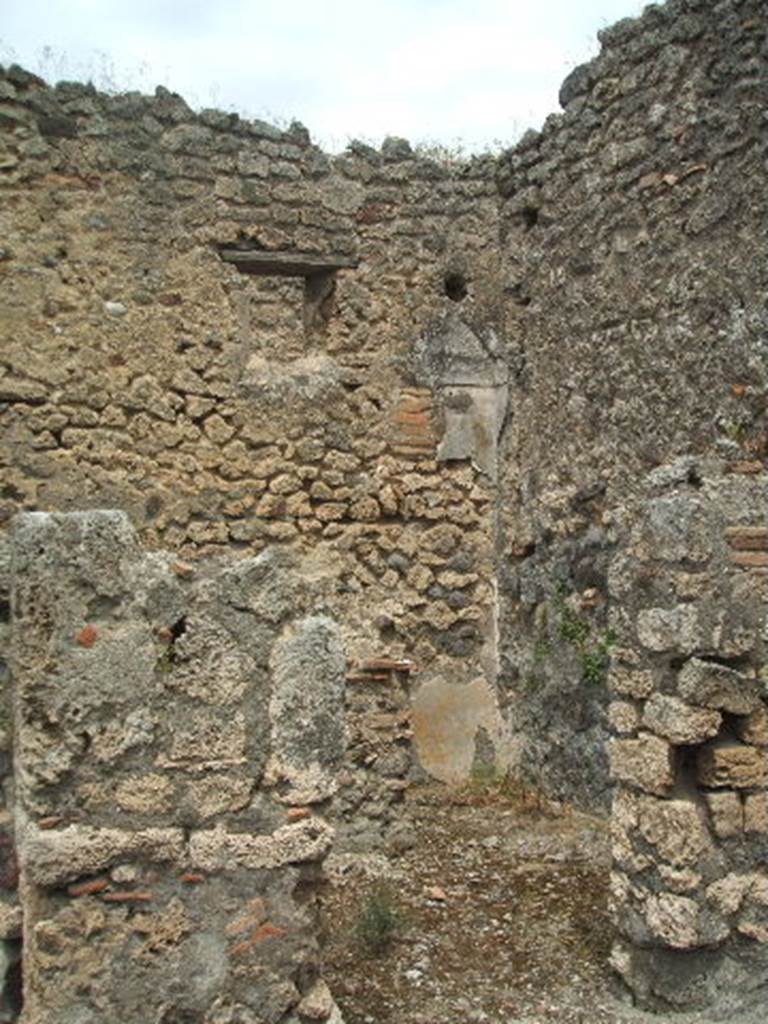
x,y
441,380
432,393
688,684
501,422
635,261
242,342
178,736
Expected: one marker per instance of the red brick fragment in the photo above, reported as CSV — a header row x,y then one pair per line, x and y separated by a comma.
x,y
127,897
87,636
88,888
50,822
416,418
183,569
748,538
241,948
263,933
268,931
750,559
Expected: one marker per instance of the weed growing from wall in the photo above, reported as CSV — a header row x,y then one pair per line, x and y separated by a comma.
x,y
594,650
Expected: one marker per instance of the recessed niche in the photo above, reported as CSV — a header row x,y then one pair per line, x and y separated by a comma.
x,y
455,287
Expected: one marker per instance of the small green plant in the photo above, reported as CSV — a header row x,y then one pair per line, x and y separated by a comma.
x,y
379,921
734,431
594,653
484,774
573,630
164,661
542,650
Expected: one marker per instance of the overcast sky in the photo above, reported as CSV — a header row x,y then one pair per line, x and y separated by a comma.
x,y
478,72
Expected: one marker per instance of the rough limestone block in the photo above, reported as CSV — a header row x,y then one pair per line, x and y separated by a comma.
x,y
732,766
753,728
11,920
711,685
623,716
756,812
54,857
673,919
145,794
679,880
624,819
304,840
647,763
318,1003
678,721
307,710
209,736
677,528
669,629
677,829
727,894
630,682
727,814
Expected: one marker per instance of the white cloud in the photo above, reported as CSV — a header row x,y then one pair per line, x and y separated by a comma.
x,y
477,70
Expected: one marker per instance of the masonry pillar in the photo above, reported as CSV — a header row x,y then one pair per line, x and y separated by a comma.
x,y
175,730
688,758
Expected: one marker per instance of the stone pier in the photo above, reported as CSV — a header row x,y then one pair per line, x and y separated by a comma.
x,y
688,757
177,736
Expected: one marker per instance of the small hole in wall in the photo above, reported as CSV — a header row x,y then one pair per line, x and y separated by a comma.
x,y
152,506
530,215
694,477
686,769
387,632
455,287
179,628
174,1015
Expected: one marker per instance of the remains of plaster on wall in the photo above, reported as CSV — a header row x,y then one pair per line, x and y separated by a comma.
x,y
447,718
467,371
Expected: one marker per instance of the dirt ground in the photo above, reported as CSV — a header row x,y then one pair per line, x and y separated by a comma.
x,y
498,915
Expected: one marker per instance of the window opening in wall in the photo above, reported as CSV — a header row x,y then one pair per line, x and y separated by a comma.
x,y
318,270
